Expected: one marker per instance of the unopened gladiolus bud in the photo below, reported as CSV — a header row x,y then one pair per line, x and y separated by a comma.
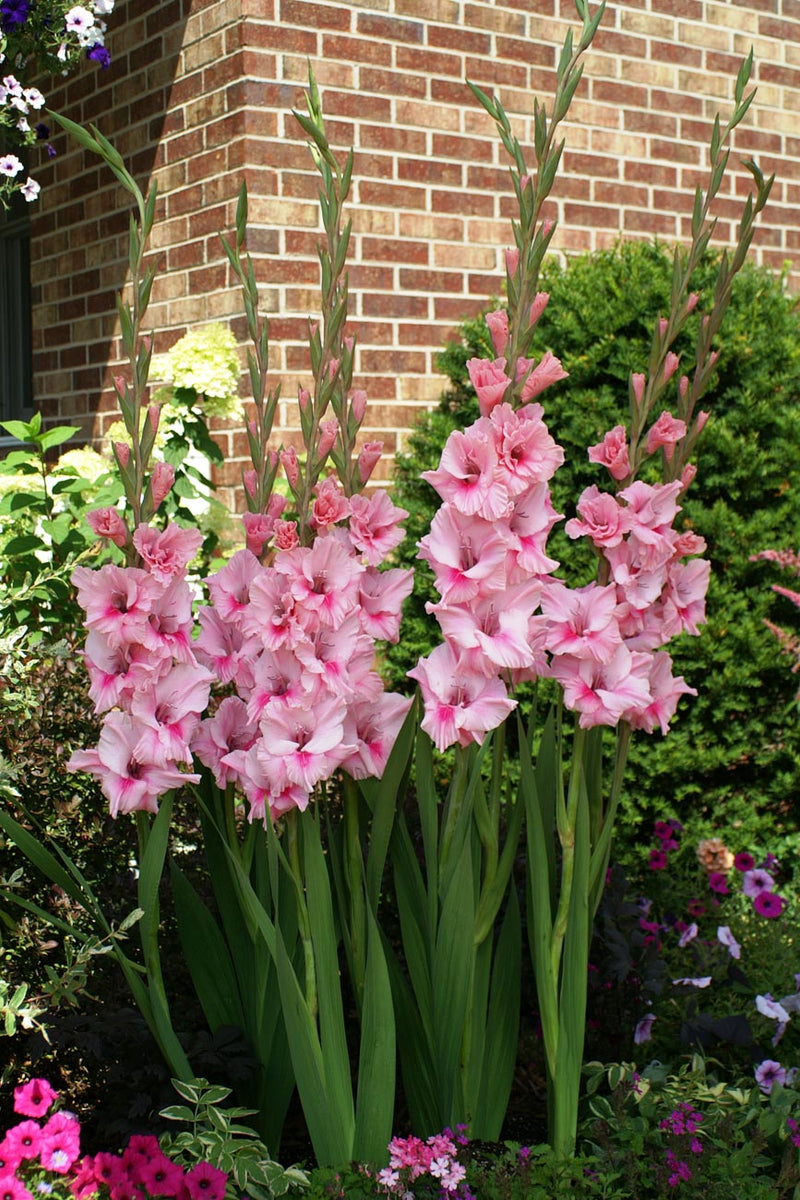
x,y
691,303
250,480
123,453
687,475
670,365
153,414
700,421
272,459
258,530
683,386
290,466
498,329
370,453
251,425
637,383
107,523
524,180
277,504
547,227
313,326
161,481
358,405
333,367
303,397
662,326
512,260
539,305
285,535
712,358
349,342
119,384
328,431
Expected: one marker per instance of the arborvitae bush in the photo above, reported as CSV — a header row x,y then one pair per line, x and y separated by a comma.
x,y
738,743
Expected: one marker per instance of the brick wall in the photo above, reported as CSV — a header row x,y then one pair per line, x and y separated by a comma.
x,y
200,96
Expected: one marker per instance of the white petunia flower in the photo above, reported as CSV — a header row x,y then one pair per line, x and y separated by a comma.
x,y
10,165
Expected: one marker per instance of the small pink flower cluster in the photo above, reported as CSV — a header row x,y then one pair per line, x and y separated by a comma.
x,y
297,639
505,618
666,834
29,1151
411,1157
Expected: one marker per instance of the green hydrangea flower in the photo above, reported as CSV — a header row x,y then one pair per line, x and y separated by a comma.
x,y
204,361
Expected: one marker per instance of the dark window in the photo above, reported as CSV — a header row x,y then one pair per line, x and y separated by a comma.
x,y
16,378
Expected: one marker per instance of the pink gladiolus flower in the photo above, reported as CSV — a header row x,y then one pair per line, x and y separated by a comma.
x,y
166,555
605,521
258,530
286,537
671,362
526,453
466,553
603,693
466,475
291,466
169,711
161,481
123,453
107,523
372,727
250,481
115,672
375,527
32,1099
367,459
127,782
328,431
323,579
117,601
686,593
546,372
229,588
498,329
461,704
665,432
582,622
526,529
496,626
612,453
666,690
358,405
381,595
489,380
330,504
309,742
271,613
538,306
228,730
223,648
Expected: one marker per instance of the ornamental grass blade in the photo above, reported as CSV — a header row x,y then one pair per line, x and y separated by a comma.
x,y
377,1061
45,862
207,956
502,1027
452,977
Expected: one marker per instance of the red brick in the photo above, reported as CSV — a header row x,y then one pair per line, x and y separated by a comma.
x,y
316,16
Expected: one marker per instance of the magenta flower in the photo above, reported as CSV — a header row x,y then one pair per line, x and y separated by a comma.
x,y
61,1142
744,861
205,1182
718,883
768,904
696,908
12,1188
32,1099
658,860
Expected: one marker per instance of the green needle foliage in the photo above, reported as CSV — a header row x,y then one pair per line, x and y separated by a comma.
x,y
737,744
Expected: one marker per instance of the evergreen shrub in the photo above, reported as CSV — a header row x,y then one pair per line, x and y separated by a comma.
x,y
738,743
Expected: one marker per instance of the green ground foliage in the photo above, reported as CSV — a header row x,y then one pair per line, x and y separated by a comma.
x,y
738,743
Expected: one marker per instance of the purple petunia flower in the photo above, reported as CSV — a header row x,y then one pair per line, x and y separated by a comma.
x,y
98,53
14,13
658,860
718,883
644,1027
756,881
768,1073
744,861
768,904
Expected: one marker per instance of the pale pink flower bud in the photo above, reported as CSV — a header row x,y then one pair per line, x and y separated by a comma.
x,y
687,475
303,398
120,384
258,530
524,180
637,383
107,523
333,367
272,459
370,453
700,421
547,226
313,326
349,342
512,260
670,365
251,425
490,382
250,480
161,480
277,505
285,534
539,305
358,405
662,326
153,414
498,329
691,303
712,358
683,386
290,465
123,452
328,431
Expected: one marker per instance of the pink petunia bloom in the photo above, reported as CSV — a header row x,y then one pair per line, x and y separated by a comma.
x,y
205,1182
160,1177
665,432
107,523
166,553
612,453
61,1143
489,378
84,1184
688,935
375,527
32,1099
718,883
658,860
24,1140
461,704
726,938
744,861
703,981
12,1188
756,881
